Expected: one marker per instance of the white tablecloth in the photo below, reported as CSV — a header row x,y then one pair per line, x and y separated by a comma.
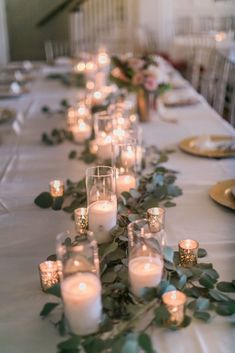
x,y
28,233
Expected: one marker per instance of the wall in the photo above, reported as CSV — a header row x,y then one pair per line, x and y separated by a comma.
x,y
3,35
26,41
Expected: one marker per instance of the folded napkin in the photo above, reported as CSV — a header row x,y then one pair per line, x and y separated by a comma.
x,y
180,98
206,143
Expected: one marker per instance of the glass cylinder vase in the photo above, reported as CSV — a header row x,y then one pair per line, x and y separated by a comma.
x,y
145,266
80,283
101,201
124,162
103,125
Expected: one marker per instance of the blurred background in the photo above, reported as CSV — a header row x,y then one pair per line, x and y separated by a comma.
x,y
123,25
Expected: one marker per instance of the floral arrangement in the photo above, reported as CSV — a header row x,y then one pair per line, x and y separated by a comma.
x,y
142,73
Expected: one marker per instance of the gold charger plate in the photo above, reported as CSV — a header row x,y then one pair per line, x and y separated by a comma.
x,y
222,193
188,146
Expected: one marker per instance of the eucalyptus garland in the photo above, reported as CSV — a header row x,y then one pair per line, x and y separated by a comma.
x,y
122,313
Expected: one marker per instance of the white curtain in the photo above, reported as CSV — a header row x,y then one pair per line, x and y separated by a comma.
x,y
3,34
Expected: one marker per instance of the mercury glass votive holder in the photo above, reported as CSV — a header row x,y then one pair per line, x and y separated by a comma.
x,y
156,218
188,250
81,220
49,275
56,188
175,303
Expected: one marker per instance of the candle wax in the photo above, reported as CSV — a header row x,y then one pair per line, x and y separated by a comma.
x,y
82,302
145,271
102,217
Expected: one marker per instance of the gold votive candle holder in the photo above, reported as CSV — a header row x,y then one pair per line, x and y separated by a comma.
x,y
175,304
188,250
49,275
156,219
81,220
56,188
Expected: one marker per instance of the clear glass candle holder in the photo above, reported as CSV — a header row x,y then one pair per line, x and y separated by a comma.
x,y
175,303
141,228
145,266
188,252
103,125
81,220
80,284
156,218
49,275
56,188
124,162
101,201
79,124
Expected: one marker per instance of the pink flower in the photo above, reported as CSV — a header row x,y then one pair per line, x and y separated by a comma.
x,y
136,64
138,79
150,82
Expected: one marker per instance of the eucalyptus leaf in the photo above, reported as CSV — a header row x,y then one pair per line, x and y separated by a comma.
x,y
44,200
206,281
55,290
57,203
72,154
161,315
145,342
168,254
226,308
226,287
201,252
109,249
70,344
47,309
202,304
186,322
218,296
202,315
109,277
169,204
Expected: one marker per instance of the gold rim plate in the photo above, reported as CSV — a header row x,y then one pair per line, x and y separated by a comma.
x,y
222,193
188,146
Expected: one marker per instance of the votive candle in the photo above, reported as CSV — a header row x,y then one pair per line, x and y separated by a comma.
x,y
175,303
56,188
81,219
49,275
188,249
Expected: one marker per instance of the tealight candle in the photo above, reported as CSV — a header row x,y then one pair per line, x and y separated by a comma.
x,y
104,147
188,249
145,272
81,220
81,131
56,188
82,302
175,301
49,274
102,217
125,183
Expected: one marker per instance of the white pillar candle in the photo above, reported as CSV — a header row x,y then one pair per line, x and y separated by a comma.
x,y
97,98
104,147
100,79
82,302
81,132
125,183
102,217
145,271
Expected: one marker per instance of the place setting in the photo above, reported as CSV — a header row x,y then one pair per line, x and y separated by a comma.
x,y
224,193
210,146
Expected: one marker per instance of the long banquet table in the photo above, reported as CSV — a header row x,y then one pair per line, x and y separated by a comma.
x,y
28,233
